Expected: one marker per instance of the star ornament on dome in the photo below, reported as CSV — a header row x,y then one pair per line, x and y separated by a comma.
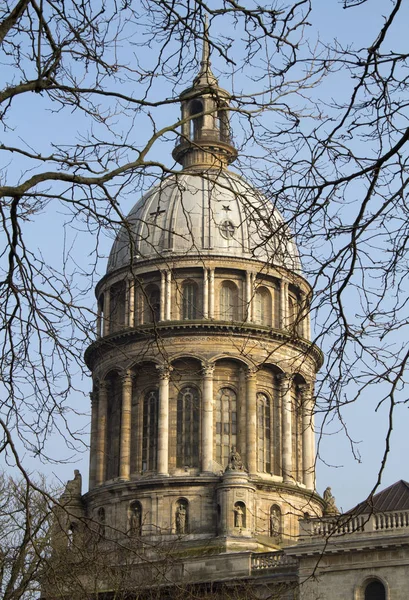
x,y
226,207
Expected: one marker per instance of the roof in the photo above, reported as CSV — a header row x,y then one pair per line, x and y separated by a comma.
x,y
216,213
393,498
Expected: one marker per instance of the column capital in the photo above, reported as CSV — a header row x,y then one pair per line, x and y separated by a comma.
x,y
285,378
251,373
207,369
127,377
305,390
103,385
164,371
93,397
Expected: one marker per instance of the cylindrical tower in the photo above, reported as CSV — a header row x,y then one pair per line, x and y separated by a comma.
x,y
203,369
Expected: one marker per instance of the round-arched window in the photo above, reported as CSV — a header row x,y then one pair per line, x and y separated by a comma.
x,y
375,590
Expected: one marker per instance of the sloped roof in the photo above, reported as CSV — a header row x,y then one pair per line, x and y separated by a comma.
x,y
395,497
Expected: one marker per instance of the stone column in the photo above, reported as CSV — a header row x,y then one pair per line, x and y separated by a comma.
x,y
251,421
287,441
207,418
162,295
163,419
211,293
126,414
93,440
99,321
102,431
131,319
248,311
205,293
283,304
107,310
253,292
168,295
307,433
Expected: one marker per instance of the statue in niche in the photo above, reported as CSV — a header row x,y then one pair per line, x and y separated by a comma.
x,y
238,516
275,521
181,518
330,506
235,462
135,520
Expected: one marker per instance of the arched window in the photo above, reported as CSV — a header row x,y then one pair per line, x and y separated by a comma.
x,y
72,534
188,427
150,430
189,300
275,521
240,515
262,302
182,516
195,108
135,519
294,314
151,304
228,301
101,522
263,433
226,424
375,590
117,306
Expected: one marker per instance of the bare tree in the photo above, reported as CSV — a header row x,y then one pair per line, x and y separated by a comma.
x,y
25,520
336,169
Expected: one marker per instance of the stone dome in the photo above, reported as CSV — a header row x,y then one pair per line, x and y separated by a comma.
x,y
204,213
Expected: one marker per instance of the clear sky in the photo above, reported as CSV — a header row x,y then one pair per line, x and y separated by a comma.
x,y
351,477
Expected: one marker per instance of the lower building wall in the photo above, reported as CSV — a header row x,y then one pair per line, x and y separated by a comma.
x,y
344,576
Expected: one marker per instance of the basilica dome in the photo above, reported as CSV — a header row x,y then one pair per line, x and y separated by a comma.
x,y
204,213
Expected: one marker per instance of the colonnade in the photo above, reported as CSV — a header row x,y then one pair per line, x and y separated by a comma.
x,y
208,302
249,436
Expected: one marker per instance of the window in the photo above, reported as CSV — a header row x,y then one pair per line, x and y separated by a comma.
x,y
196,107
228,301
375,590
150,430
117,306
189,300
262,301
151,304
263,433
226,424
188,427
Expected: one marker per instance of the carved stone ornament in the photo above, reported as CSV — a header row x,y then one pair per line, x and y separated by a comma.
x,y
235,462
330,506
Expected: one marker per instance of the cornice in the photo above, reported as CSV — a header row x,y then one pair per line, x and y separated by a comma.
x,y
170,329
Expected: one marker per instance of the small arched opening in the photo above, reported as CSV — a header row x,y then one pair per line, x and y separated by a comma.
x,y
196,124
240,516
135,519
182,516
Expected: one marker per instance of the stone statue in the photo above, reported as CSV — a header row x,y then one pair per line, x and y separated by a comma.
x,y
275,522
235,462
181,515
238,516
330,506
74,486
135,521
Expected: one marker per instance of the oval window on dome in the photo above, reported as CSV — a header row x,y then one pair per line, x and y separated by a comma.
x,y
227,229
